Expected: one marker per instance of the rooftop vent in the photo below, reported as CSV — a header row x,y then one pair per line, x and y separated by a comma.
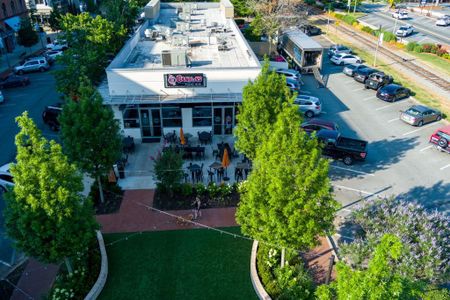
x,y
174,58
166,57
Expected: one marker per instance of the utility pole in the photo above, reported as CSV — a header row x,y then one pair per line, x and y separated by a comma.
x,y
354,8
395,25
380,40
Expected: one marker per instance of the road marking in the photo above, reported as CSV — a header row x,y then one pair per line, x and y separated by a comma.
x,y
444,167
359,89
352,189
383,107
419,129
349,81
350,170
427,147
393,120
368,98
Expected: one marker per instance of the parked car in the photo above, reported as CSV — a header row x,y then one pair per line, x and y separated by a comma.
x,y
417,115
350,70
33,65
6,179
345,59
310,106
393,92
310,30
404,31
338,49
339,147
362,74
58,45
2,98
319,124
53,54
443,21
14,81
293,85
441,139
378,80
400,14
290,73
50,116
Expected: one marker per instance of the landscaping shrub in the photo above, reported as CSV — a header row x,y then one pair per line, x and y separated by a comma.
x,y
411,45
441,52
349,19
367,29
418,49
168,169
389,36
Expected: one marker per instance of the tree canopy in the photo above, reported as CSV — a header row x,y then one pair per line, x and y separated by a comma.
x,y
27,36
90,133
45,214
287,197
262,101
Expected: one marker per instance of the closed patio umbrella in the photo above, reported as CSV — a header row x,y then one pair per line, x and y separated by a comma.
x,y
182,138
225,162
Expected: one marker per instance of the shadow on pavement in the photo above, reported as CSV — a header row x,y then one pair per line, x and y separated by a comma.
x,y
437,196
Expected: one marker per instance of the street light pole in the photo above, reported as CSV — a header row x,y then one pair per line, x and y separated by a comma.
x,y
395,25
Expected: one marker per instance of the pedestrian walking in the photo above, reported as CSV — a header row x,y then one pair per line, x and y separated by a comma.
x,y
197,206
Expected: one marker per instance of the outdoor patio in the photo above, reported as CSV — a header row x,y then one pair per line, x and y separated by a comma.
x,y
201,163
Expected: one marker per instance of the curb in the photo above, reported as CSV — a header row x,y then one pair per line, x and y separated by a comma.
x,y
101,280
257,285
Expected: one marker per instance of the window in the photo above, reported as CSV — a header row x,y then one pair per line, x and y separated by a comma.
x,y
13,7
171,117
5,13
131,118
201,116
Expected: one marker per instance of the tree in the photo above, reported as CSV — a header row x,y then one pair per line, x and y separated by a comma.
x,y
425,236
241,8
287,198
27,36
381,279
55,19
90,133
168,169
45,214
122,13
262,101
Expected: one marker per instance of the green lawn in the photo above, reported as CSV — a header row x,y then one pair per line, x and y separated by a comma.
x,y
185,264
441,63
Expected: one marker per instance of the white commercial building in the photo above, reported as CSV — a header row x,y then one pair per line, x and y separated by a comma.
x,y
186,66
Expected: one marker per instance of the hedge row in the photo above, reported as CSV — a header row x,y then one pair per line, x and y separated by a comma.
x,y
428,48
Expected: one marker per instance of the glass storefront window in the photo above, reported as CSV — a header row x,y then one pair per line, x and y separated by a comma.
x,y
131,118
171,117
201,116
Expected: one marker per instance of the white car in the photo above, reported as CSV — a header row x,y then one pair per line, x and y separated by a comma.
x,y
345,59
290,73
404,31
443,21
6,179
401,15
310,106
57,45
53,54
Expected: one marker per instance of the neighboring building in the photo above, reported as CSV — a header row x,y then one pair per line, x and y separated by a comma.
x,y
45,7
11,12
185,67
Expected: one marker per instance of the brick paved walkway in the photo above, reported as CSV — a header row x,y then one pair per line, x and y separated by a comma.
x,y
134,215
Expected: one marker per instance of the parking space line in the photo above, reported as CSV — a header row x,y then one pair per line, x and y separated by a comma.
x,y
352,189
393,120
419,129
368,98
350,170
391,104
358,89
444,167
383,107
349,81
427,147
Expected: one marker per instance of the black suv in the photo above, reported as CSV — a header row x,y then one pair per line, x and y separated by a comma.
x,y
50,116
310,30
378,80
363,74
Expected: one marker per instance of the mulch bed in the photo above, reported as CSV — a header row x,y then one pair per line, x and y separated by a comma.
x,y
6,289
165,201
113,195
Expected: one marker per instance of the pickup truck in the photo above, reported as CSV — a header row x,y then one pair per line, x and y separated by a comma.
x,y
339,147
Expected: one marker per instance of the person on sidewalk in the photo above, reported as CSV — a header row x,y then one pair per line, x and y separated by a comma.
x,y
197,206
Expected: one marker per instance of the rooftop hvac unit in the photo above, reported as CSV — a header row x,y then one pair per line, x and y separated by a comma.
x,y
166,57
179,58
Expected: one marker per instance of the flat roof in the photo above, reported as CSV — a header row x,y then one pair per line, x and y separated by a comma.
x,y
302,40
208,38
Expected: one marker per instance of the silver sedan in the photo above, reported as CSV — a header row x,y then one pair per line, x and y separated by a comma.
x,y
418,115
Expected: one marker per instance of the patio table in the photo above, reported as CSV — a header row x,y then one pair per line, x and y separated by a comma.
x,y
204,137
243,166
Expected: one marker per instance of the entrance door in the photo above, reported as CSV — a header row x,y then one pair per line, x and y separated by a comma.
x,y
223,120
150,125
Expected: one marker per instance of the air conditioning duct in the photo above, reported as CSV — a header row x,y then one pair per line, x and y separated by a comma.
x,y
166,58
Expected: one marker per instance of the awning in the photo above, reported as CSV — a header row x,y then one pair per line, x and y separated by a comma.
x,y
14,23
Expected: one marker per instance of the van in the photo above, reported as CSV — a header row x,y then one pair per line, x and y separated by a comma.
x,y
33,65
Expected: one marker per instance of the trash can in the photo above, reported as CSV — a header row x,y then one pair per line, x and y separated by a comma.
x,y
121,169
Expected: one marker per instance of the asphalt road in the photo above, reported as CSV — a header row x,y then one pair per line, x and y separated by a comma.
x,y
425,29
400,160
32,98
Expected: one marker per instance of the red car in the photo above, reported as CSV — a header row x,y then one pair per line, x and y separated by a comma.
x,y
319,124
441,138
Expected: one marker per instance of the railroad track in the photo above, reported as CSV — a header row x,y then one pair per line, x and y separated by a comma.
x,y
440,82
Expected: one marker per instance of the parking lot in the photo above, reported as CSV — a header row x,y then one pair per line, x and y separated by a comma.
x,y
400,160
425,29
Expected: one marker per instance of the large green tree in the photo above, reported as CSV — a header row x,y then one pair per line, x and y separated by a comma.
x,y
90,133
45,214
122,13
27,36
92,41
262,101
287,198
380,280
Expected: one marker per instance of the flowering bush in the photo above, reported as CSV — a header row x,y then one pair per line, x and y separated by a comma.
x,y
424,234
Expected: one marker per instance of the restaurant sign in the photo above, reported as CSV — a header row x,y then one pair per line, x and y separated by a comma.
x,y
184,80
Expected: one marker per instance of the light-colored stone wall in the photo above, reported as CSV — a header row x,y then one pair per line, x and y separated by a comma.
x,y
101,280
